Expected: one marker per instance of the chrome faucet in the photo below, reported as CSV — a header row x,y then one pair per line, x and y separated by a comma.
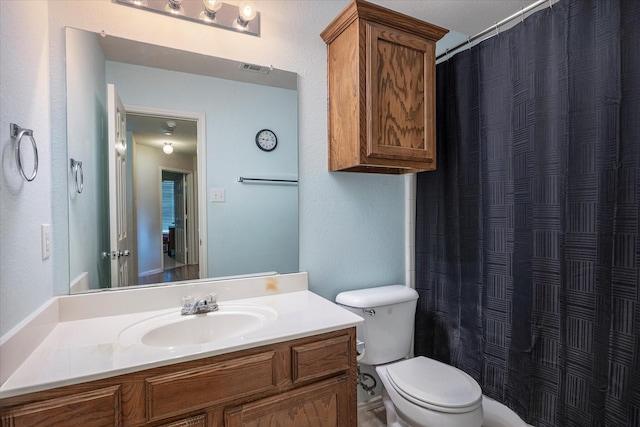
x,y
205,305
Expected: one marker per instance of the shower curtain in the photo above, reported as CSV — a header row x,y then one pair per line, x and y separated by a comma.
x,y
527,243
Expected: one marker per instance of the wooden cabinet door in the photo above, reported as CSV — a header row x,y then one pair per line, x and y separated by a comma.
x,y
324,404
400,95
97,408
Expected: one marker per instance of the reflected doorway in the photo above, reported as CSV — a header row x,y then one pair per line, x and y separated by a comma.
x,y
179,234
165,197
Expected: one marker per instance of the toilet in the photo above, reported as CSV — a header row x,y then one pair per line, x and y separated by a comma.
x,y
417,392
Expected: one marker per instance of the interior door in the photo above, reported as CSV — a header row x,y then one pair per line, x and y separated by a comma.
x,y
193,253
118,236
180,218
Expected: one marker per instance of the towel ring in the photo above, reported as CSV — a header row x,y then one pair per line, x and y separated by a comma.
x,y
17,133
75,167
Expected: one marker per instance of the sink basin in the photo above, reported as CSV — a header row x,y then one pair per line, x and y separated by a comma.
x,y
174,330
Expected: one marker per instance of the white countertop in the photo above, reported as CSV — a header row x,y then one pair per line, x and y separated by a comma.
x,y
81,349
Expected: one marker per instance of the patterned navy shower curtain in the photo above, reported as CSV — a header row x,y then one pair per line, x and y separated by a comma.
x,y
527,242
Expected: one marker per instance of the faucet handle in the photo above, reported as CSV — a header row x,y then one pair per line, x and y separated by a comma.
x,y
187,302
211,298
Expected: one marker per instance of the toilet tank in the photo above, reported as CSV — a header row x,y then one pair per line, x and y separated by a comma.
x,y
389,314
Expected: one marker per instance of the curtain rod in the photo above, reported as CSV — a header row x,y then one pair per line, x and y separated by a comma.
x,y
494,27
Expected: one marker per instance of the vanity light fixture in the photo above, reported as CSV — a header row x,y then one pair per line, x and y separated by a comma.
x,y
243,18
167,148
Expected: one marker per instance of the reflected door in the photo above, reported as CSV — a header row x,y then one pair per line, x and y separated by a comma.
x,y
118,236
180,218
193,253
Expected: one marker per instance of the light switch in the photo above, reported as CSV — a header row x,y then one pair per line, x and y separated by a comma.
x,y
217,195
46,240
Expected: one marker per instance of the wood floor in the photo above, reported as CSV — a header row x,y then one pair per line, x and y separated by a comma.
x,y
177,274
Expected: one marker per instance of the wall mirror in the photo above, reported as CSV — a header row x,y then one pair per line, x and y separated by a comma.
x,y
167,179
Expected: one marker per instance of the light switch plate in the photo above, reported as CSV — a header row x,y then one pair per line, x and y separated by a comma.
x,y
217,195
46,240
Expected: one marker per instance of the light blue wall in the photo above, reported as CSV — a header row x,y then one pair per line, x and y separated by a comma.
x,y
86,108
26,280
366,247
257,225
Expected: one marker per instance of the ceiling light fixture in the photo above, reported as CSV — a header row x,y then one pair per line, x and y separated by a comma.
x,y
243,18
168,127
167,148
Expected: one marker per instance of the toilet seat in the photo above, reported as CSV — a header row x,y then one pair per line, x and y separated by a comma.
x,y
434,385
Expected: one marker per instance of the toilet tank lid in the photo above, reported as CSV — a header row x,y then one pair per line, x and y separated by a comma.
x,y
376,297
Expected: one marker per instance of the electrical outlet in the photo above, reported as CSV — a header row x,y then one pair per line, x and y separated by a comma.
x,y
46,240
217,195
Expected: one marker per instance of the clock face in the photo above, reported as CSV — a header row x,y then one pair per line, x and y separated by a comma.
x,y
266,140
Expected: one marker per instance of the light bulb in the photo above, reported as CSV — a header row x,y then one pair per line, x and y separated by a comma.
x,y
168,148
247,12
211,7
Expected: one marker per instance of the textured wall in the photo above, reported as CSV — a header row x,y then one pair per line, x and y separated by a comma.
x,y
25,279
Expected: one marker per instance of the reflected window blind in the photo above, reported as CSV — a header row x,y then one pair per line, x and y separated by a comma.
x,y
168,217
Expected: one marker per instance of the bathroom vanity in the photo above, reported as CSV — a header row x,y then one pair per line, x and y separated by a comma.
x,y
297,367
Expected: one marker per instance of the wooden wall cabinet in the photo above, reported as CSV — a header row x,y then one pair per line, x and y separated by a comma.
x,y
381,90
305,382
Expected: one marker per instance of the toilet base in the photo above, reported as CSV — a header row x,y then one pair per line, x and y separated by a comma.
x,y
392,416
397,419
495,414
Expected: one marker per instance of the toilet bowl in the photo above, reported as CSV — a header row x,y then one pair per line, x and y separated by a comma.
x,y
498,415
495,414
425,393
417,392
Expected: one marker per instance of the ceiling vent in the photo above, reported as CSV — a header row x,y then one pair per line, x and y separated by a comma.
x,y
255,68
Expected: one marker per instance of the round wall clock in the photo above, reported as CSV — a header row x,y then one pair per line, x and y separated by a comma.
x,y
266,140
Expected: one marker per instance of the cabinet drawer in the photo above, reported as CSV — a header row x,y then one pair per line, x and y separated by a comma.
x,y
94,408
209,385
197,421
320,358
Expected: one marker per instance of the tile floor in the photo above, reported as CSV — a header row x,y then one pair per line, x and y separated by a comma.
x,y
372,414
